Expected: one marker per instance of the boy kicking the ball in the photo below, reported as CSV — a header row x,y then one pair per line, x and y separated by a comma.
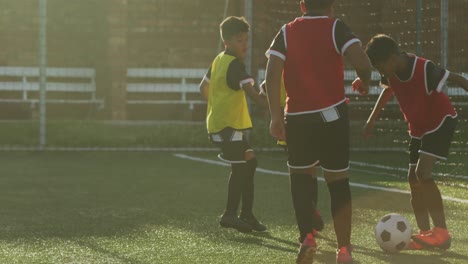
x,y
228,122
417,84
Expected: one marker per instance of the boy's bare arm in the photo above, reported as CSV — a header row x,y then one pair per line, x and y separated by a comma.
x,y
273,84
384,97
360,62
204,88
459,80
252,93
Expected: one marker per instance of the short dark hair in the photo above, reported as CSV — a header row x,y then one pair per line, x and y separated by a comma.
x,y
312,5
232,26
380,48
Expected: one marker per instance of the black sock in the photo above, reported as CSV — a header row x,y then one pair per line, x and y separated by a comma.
x,y
317,221
419,204
235,187
304,206
340,194
434,203
248,188
314,190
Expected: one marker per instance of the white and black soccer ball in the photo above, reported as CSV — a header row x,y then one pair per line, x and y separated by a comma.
x,y
393,233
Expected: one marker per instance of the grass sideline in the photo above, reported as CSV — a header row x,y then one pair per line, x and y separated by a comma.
x,y
389,134
95,134
98,207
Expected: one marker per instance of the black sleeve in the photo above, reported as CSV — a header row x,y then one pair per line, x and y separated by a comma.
x,y
208,74
237,74
343,35
278,46
434,77
384,80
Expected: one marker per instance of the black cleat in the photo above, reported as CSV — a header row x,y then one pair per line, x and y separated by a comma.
x,y
254,223
232,221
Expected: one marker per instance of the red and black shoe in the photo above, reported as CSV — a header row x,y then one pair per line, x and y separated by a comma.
x,y
414,245
343,255
436,238
307,250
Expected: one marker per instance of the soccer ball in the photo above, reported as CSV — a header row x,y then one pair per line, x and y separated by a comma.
x,y
393,233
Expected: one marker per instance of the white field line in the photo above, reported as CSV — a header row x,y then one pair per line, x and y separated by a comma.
x,y
201,149
272,172
369,165
379,173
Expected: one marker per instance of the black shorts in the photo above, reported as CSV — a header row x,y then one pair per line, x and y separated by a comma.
x,y
233,144
436,143
312,140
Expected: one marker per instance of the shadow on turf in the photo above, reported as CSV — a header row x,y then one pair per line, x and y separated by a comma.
x,y
264,239
114,255
269,236
436,256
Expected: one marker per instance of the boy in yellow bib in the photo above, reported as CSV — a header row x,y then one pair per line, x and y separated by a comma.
x,y
228,122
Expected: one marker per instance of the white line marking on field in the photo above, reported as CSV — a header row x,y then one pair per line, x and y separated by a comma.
x,y
364,164
378,173
358,185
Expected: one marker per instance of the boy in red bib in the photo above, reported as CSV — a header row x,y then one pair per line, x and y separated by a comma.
x,y
417,84
308,54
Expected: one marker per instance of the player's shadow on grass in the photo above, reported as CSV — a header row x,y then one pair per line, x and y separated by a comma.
x,y
267,240
452,254
111,254
269,236
437,257
408,256
327,256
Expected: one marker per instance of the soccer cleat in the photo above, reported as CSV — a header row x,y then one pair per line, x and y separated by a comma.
x,y
413,245
438,238
232,221
343,255
307,250
254,223
422,233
